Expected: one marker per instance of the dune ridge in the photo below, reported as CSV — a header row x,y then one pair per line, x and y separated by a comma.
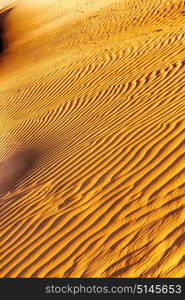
x,y
96,90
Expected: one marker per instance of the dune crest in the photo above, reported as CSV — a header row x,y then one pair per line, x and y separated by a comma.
x,y
97,89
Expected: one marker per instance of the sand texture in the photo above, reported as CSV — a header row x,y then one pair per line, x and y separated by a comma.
x,y
92,138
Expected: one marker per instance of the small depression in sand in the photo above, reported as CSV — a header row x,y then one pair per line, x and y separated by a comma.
x,y
13,168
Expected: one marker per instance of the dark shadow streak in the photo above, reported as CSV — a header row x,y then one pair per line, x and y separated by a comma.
x,y
3,15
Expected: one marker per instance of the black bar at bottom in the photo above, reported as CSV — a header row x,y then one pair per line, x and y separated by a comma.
x,y
20,288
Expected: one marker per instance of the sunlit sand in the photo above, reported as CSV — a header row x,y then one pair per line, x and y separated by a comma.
x,y
92,151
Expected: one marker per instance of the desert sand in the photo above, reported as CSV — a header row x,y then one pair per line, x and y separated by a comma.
x,y
92,138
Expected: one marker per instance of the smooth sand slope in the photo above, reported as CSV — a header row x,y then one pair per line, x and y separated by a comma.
x,y
92,138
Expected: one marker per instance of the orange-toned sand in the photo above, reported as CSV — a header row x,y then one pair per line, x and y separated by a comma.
x,y
92,138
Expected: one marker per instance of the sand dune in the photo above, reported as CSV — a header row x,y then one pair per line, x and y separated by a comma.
x,y
92,139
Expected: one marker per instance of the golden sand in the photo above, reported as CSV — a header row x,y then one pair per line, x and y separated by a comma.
x,y
92,94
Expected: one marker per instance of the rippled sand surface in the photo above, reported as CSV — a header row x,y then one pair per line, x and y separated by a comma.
x,y
92,138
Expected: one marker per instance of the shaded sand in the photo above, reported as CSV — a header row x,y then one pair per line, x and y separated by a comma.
x,y
97,89
14,168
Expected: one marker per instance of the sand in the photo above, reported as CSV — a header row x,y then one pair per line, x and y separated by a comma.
x,y
92,139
